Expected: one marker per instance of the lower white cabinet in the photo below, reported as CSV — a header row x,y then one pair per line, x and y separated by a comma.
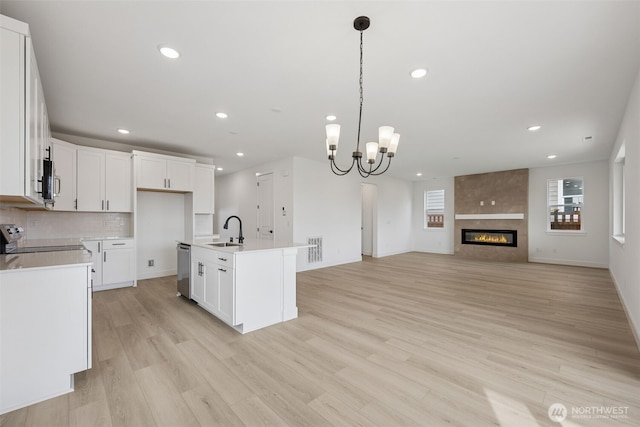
x,y
113,263
45,332
212,282
247,289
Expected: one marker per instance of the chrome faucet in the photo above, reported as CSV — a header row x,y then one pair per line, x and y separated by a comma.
x,y
226,227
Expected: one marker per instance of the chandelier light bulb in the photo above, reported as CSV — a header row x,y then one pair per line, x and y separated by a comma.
x,y
372,152
393,146
384,137
333,134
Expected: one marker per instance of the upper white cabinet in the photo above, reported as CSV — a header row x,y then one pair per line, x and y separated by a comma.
x,y
64,158
164,173
24,123
103,180
203,200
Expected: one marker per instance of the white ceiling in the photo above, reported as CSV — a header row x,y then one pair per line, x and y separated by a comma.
x,y
278,68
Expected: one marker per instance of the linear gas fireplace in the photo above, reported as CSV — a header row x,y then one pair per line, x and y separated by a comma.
x,y
507,238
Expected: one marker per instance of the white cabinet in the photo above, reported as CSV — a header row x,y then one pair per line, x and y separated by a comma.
x,y
45,319
24,123
113,263
212,282
64,158
203,188
226,292
103,180
163,173
117,262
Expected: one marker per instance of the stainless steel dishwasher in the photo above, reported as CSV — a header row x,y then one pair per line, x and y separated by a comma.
x,y
184,270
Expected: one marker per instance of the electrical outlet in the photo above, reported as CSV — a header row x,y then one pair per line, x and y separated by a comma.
x,y
150,263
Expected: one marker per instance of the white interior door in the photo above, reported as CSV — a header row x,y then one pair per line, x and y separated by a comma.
x,y
265,207
368,218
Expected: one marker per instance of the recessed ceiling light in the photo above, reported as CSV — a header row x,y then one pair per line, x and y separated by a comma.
x,y
331,117
551,156
534,128
219,169
221,115
169,52
419,73
124,131
239,154
419,174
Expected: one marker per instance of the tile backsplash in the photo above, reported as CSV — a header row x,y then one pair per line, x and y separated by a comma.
x,y
56,225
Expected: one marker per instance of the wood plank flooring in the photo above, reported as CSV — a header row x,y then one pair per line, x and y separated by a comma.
x,y
413,339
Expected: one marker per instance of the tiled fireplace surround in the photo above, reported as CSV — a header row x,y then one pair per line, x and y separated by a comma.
x,y
501,194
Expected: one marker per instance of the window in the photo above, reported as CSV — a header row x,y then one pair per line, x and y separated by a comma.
x,y
565,201
618,195
434,209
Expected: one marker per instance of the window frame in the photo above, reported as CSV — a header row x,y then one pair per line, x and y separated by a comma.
x,y
549,206
619,190
426,210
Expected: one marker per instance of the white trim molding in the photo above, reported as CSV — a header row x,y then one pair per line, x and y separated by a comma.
x,y
491,216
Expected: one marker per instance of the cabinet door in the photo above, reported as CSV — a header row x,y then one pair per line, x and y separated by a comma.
x,y
197,280
118,185
12,172
64,156
95,246
151,173
34,137
180,175
90,173
226,301
203,200
210,300
117,266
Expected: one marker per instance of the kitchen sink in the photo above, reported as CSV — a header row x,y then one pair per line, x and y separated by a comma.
x,y
223,244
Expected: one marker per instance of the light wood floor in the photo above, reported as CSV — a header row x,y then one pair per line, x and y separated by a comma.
x,y
412,339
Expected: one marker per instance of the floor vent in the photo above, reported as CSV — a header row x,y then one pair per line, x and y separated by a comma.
x,y
314,253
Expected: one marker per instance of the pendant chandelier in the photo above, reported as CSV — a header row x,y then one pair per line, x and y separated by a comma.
x,y
387,140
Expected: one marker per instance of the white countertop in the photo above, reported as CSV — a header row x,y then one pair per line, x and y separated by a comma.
x,y
249,245
9,262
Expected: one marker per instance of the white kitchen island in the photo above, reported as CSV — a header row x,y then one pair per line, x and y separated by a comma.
x,y
248,287
45,325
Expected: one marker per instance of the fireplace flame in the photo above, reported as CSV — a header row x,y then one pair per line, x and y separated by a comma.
x,y
490,239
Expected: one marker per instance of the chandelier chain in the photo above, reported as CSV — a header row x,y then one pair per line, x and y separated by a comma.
x,y
361,95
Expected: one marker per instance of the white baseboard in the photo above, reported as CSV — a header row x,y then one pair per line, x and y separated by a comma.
x,y
156,273
433,252
384,254
316,266
573,262
635,330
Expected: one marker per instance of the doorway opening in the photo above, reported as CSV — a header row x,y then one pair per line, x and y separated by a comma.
x,y
368,227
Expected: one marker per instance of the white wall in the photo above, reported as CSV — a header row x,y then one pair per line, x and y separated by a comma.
x,y
623,258
161,219
236,194
435,240
327,206
393,215
590,248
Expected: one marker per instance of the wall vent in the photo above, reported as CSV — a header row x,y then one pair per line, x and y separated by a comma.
x,y
314,253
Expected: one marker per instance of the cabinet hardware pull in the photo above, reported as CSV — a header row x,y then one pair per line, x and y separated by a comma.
x,y
59,181
104,256
169,180
107,205
223,270
118,244
102,206
222,259
98,247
